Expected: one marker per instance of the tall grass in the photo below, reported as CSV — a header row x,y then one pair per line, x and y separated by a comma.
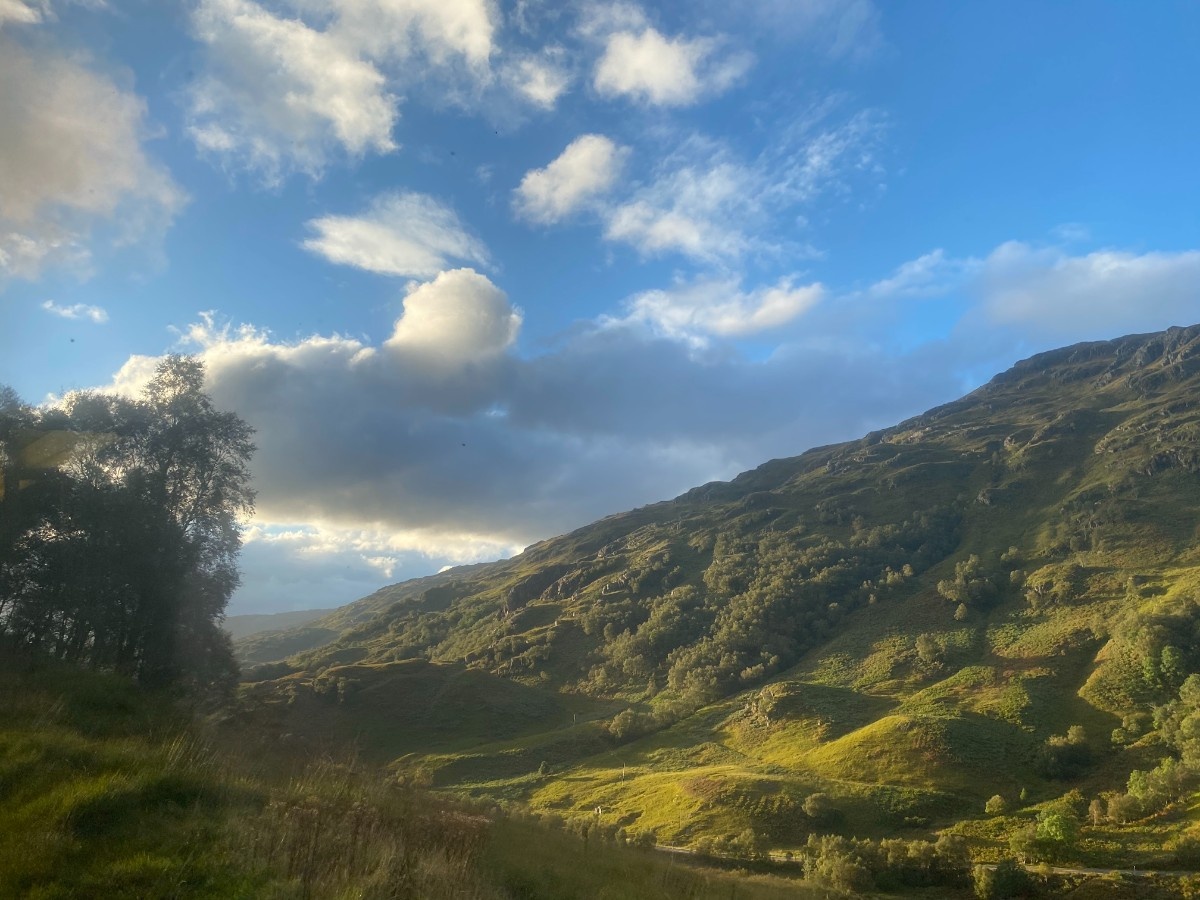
x,y
109,792
105,792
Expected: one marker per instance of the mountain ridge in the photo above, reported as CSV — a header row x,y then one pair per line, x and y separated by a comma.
x,y
905,623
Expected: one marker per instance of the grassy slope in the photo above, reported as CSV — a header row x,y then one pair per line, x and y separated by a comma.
x,y
1083,460
105,791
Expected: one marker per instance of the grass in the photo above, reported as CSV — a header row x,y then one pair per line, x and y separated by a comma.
x,y
107,791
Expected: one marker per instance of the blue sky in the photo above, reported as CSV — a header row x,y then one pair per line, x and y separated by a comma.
x,y
481,272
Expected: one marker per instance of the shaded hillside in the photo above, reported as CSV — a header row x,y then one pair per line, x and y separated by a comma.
x,y
244,626
905,624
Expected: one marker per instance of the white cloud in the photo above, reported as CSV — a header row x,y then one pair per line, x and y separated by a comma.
x,y
1054,295
406,234
315,564
439,31
541,79
1044,296
72,162
457,319
705,209
585,170
707,203
650,68
22,12
76,311
929,275
290,92
721,308
281,94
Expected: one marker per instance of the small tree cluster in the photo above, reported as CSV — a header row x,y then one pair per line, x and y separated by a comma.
x,y
856,866
1065,756
1006,879
119,528
1054,833
970,588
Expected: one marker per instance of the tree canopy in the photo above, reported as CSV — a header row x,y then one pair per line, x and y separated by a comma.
x,y
120,527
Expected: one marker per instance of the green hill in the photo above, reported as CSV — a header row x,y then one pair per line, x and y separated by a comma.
x,y
904,625
245,626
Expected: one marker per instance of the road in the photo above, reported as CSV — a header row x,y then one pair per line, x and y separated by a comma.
x,y
1036,867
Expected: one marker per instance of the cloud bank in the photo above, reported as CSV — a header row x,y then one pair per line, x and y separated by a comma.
x,y
442,443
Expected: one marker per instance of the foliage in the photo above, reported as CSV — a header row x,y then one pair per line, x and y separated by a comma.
x,y
891,864
120,545
964,605
1008,878
1065,756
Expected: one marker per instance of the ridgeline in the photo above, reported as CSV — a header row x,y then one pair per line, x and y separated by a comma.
x,y
994,604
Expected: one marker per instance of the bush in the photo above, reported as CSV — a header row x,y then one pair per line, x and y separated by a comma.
x,y
1008,878
1065,756
819,807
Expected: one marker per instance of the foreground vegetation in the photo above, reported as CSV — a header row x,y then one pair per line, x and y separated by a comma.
x,y
107,791
980,622
912,663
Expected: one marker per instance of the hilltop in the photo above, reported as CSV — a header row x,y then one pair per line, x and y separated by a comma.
x,y
991,599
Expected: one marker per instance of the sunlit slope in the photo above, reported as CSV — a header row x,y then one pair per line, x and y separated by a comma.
x,y
897,623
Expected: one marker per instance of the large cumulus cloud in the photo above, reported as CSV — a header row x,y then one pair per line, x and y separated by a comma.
x,y
443,443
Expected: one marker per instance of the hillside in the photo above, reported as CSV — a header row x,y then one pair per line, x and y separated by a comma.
x,y
244,626
900,627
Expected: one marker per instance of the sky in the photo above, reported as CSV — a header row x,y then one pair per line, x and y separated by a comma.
x,y
483,271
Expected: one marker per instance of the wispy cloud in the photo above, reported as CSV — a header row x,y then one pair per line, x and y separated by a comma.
x,y
720,308
23,12
76,311
707,202
838,29
405,234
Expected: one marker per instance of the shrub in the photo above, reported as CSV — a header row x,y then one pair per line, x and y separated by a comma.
x,y
1008,878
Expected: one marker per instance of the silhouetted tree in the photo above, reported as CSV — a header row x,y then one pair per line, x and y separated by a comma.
x,y
121,527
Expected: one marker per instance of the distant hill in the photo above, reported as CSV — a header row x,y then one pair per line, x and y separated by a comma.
x,y
991,598
244,626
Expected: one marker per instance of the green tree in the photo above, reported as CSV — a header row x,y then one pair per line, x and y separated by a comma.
x,y
1024,843
1008,878
120,550
819,807
1056,831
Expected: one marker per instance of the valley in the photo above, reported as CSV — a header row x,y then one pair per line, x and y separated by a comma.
x,y
997,599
